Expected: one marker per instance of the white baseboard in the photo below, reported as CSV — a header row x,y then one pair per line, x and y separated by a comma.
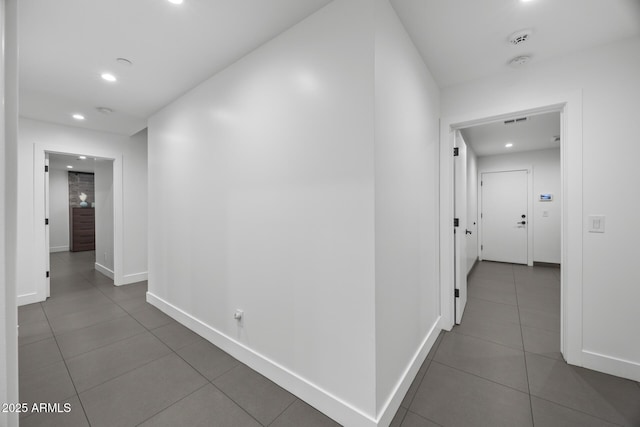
x,y
53,249
388,411
325,402
611,365
28,299
104,270
127,279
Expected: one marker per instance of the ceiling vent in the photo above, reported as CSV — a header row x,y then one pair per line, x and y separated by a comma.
x,y
514,121
104,110
520,37
520,61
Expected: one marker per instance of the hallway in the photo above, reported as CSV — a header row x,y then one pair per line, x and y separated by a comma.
x,y
120,361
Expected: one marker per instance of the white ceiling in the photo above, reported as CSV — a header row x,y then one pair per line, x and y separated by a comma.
x,y
536,133
61,161
462,40
66,44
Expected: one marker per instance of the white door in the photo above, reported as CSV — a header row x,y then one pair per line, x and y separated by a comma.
x,y
505,216
460,213
46,226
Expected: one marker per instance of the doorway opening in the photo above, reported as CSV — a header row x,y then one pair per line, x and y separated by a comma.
x,y
568,109
79,214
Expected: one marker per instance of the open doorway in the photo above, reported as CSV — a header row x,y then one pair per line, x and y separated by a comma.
x,y
79,221
512,203
568,106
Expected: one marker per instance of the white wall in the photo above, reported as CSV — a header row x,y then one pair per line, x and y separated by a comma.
x,y
472,207
261,197
608,80
134,198
8,208
406,219
103,178
58,210
129,198
546,179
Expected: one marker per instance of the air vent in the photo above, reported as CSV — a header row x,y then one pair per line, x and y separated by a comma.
x,y
519,61
514,121
520,37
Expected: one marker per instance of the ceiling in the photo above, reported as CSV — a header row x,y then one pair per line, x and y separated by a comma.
x,y
535,133
65,45
462,40
61,161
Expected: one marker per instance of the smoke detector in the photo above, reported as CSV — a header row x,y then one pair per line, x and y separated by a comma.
x,y
519,61
520,37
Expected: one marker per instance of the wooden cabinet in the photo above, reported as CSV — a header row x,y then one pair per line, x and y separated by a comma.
x,y
82,229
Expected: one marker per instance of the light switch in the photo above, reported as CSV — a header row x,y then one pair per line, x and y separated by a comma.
x,y
596,224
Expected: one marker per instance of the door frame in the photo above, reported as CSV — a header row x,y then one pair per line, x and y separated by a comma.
x,y
40,231
570,107
529,169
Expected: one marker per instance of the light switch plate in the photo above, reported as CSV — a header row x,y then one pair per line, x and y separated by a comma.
x,y
596,223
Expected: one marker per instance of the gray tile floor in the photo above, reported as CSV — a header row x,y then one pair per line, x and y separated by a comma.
x,y
120,362
502,366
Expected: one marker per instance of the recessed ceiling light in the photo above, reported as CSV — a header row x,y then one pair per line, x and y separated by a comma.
x,y
82,157
69,167
509,145
525,1
78,116
108,77
175,1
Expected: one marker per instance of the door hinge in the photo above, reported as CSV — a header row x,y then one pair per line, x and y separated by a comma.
x,y
481,247
46,221
456,222
481,183
480,214
456,293
46,168
456,151
47,274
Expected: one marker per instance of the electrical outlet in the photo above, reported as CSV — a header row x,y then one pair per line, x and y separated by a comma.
x,y
238,315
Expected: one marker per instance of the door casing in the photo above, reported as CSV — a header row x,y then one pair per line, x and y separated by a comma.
x,y
570,106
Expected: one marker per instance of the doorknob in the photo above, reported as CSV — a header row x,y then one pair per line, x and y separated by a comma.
x,y
467,232
521,222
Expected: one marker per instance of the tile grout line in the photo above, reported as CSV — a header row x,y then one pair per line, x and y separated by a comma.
x,y
435,350
524,356
424,418
576,410
482,378
199,373
102,346
231,399
174,403
68,372
491,341
285,409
